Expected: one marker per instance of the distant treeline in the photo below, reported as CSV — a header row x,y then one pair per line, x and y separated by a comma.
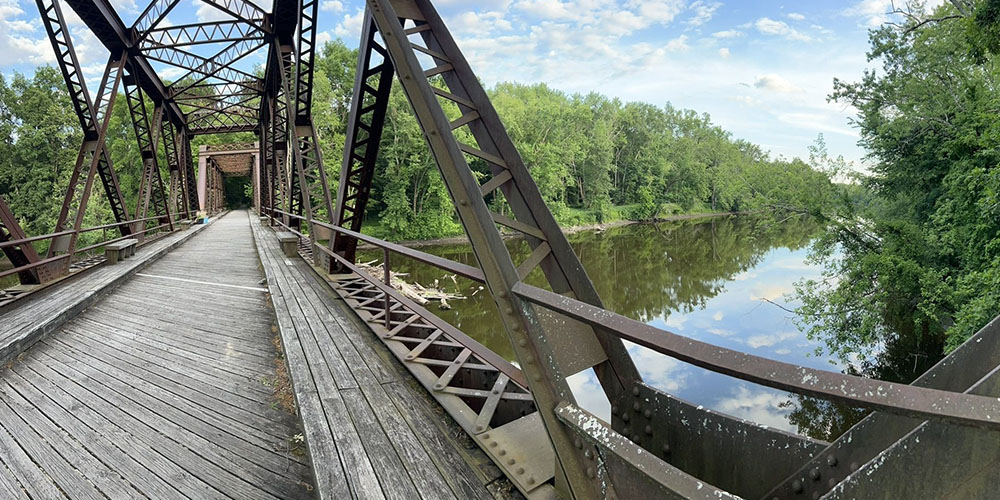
x,y
594,158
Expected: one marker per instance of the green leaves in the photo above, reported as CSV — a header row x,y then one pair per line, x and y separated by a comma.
x,y
915,261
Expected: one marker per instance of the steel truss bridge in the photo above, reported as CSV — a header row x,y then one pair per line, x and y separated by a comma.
x,y
143,378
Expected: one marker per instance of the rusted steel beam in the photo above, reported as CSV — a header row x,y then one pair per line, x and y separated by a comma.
x,y
87,164
547,357
198,33
625,470
22,254
69,66
151,189
364,133
104,23
899,399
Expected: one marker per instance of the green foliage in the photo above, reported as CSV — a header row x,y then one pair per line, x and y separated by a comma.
x,y
916,259
595,159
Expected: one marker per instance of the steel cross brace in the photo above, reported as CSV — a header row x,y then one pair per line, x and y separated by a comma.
x,y
69,66
547,352
364,132
88,161
151,187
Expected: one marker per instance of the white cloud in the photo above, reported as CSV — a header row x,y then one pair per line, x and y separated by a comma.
x,y
206,12
775,83
479,23
718,316
703,12
350,27
331,6
769,26
663,372
724,52
873,13
322,37
794,16
659,11
589,394
676,321
760,406
678,44
728,34
720,332
768,340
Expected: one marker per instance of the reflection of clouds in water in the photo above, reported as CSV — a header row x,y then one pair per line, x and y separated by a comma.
x,y
589,394
720,332
770,292
675,321
770,339
663,372
794,264
758,405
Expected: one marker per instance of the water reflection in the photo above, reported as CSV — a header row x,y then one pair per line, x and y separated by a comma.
x,y
705,279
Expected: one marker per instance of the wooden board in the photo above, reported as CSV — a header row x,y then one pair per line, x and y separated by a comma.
x,y
350,390
161,389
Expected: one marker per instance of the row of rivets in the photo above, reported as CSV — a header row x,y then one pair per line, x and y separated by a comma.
x,y
510,461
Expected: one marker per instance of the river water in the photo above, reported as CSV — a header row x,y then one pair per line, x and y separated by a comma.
x,y
709,279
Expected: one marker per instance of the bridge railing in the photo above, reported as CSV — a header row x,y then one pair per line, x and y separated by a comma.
x,y
901,399
77,252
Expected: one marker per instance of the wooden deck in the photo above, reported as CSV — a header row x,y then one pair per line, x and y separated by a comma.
x,y
25,320
162,389
372,430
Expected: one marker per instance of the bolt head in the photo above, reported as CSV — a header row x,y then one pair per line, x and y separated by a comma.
x,y
520,470
649,429
614,410
635,406
797,486
578,443
814,473
666,449
589,454
831,461
635,391
647,414
590,472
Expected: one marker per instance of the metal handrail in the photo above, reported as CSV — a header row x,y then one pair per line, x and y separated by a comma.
x,y
76,251
900,399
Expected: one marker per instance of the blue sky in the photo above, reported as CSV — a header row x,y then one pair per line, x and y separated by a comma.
x,y
761,69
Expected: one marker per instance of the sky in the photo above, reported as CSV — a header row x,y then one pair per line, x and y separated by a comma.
x,y
762,69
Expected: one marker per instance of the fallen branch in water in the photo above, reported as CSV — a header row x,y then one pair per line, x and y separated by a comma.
x,y
414,291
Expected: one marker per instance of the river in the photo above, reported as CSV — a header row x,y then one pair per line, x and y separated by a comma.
x,y
709,279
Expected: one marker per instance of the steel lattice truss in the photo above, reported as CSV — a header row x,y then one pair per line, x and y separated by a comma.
x,y
655,445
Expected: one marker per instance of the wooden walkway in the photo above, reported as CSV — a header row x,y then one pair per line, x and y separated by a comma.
x,y
163,389
372,430
25,320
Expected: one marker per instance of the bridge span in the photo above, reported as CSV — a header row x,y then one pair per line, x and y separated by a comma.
x,y
180,351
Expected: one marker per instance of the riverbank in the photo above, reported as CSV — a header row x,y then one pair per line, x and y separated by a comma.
x,y
457,240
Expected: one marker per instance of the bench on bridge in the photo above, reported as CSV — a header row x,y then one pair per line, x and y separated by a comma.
x,y
122,249
289,243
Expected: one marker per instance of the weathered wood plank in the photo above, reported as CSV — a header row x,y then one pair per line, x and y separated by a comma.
x,y
159,389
